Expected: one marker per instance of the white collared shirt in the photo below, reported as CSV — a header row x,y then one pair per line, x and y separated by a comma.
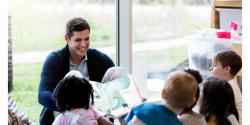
x,y
237,96
82,67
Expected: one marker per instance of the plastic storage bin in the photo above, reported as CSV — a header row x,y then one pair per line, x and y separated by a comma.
x,y
201,51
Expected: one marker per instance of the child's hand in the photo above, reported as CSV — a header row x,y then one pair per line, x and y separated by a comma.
x,y
103,121
109,117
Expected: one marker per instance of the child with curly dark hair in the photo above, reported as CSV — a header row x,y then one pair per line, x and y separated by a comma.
x,y
75,99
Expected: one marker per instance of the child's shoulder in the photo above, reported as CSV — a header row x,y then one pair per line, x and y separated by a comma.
x,y
197,115
192,115
193,118
61,118
235,86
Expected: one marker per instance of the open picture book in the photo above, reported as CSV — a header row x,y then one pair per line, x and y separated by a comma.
x,y
116,97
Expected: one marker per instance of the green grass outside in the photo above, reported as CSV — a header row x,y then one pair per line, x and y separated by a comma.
x,y
26,79
35,29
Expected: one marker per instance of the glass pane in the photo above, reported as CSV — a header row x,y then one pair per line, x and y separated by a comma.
x,y
159,31
38,27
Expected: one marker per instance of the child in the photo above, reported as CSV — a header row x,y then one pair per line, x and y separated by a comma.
x,y
74,99
178,93
226,64
188,116
217,103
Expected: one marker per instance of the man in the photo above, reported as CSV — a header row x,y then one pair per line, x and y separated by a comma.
x,y
76,55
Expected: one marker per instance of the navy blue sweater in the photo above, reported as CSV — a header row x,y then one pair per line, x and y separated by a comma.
x,y
55,67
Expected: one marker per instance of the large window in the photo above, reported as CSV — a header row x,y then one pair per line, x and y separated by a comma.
x,y
159,31
159,28
38,27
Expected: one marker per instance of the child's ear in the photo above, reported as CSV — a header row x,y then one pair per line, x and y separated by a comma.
x,y
164,94
227,69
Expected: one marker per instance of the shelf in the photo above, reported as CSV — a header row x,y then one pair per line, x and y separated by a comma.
x,y
228,3
222,4
237,47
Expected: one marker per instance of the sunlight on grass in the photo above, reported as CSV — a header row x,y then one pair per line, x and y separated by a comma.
x,y
26,78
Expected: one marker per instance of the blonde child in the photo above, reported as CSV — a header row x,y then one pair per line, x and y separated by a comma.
x,y
178,93
188,116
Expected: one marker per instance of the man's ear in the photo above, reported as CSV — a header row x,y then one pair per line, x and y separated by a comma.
x,y
66,37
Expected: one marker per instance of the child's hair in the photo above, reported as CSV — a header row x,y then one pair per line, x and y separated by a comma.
x,y
73,91
231,59
218,101
195,73
180,89
199,79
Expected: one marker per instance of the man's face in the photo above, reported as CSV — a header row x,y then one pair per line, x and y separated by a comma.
x,y
78,43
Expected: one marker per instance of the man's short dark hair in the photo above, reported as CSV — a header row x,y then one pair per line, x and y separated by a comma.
x,y
231,59
75,25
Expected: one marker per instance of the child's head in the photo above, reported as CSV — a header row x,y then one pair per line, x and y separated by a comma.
x,y
114,73
73,91
179,90
218,99
198,78
196,74
226,64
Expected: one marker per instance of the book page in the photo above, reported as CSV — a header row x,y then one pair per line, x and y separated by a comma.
x,y
116,97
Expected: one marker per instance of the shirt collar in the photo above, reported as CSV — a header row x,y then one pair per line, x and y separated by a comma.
x,y
85,59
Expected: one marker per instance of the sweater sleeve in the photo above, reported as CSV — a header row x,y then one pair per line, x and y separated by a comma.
x,y
49,79
98,64
130,116
136,121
